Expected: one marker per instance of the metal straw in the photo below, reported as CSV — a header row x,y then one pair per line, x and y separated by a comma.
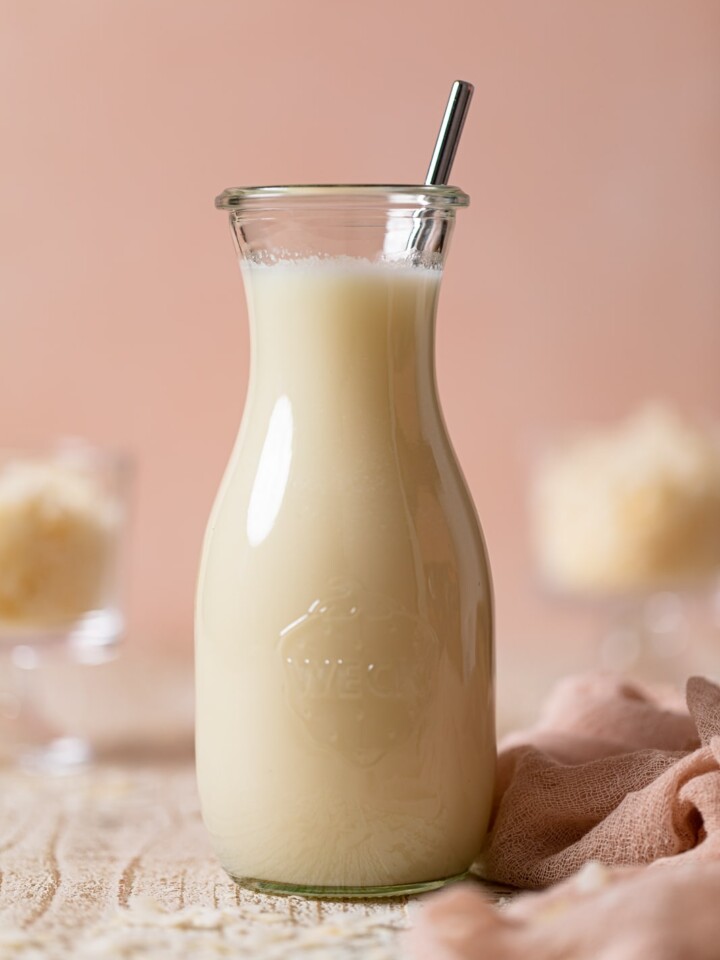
x,y
429,233
449,135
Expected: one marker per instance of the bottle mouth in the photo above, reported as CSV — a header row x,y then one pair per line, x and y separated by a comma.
x,y
344,196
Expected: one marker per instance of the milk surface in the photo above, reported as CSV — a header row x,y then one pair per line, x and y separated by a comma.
x,y
345,731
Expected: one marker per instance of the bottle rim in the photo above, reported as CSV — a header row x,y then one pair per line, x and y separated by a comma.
x,y
341,195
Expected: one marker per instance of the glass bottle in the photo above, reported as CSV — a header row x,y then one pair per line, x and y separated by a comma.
x,y
344,648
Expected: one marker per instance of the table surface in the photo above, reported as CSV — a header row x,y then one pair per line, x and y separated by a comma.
x,y
115,862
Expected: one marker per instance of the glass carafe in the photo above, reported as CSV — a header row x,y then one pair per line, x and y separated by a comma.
x,y
344,649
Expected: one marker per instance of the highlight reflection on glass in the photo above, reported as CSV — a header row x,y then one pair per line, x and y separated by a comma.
x,y
272,473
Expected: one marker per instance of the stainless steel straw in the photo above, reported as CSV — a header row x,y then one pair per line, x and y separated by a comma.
x,y
428,235
450,131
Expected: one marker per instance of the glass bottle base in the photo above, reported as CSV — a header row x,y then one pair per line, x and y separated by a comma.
x,y
276,888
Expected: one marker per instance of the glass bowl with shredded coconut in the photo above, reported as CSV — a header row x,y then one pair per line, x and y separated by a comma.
x,y
635,506
629,514
62,520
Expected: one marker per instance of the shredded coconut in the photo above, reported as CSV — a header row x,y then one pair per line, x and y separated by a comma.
x,y
631,507
144,929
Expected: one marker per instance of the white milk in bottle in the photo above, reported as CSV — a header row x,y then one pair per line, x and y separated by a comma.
x,y
345,714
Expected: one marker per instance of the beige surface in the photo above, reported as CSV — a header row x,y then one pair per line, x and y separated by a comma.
x,y
117,860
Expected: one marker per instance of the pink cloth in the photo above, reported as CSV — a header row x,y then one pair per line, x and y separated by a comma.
x,y
625,913
613,774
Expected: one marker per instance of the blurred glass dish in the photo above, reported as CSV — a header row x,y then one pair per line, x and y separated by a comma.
x,y
629,515
63,514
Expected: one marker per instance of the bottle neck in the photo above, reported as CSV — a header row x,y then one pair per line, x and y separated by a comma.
x,y
330,329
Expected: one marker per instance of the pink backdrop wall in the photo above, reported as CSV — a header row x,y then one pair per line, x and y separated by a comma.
x,y
584,276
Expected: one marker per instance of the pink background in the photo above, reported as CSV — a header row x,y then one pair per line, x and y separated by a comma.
x,y
584,277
